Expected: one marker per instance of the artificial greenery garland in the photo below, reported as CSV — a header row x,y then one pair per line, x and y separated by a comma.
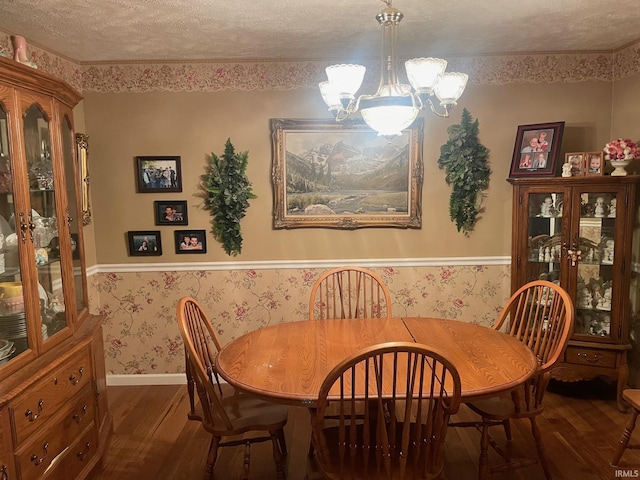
x,y
464,159
228,193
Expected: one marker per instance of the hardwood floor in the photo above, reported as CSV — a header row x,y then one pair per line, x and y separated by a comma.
x,y
153,439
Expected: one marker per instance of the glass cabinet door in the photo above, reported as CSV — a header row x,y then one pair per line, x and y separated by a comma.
x,y
13,324
74,217
44,220
545,231
595,283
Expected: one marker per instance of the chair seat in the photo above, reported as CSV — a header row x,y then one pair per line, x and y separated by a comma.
x,y
632,396
500,409
250,413
367,466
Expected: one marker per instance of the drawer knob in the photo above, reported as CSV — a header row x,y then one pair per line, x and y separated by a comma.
x,y
38,460
77,417
595,358
75,380
82,455
3,473
34,416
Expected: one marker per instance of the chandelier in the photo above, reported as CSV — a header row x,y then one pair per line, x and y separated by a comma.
x,y
395,105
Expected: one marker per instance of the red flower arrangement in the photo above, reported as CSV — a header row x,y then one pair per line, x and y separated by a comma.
x,y
621,149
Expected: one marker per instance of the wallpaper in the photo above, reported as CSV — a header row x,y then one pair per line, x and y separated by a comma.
x,y
214,76
141,332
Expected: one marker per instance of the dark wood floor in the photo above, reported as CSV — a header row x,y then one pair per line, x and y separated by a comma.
x,y
153,440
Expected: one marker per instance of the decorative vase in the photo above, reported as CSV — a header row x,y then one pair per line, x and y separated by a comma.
x,y
619,165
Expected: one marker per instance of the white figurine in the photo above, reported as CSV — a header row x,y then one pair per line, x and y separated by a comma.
x,y
612,207
547,254
566,170
546,208
607,254
599,210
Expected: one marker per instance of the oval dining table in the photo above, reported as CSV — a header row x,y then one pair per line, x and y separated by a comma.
x,y
286,363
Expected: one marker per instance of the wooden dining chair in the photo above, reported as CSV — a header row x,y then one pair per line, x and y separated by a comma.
x,y
540,314
224,411
408,392
349,292
632,397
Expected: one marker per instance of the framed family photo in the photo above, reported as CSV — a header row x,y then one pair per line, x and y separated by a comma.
x,y
190,241
576,160
170,212
158,174
343,175
144,243
536,150
594,164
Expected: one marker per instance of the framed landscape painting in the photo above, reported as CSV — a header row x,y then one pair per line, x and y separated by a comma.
x,y
343,175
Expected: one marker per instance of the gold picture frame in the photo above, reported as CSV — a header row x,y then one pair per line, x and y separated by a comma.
x,y
82,144
343,175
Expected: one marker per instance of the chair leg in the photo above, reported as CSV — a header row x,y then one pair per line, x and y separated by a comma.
x,y
277,457
624,439
211,458
282,442
483,468
540,447
507,429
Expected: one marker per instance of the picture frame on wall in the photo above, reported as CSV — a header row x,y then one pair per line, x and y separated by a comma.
x,y
594,164
159,174
144,243
170,212
536,150
190,241
343,175
577,162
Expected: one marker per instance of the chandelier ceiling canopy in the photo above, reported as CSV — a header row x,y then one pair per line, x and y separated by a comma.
x,y
395,105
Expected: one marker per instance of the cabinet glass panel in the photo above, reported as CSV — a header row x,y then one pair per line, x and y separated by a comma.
x,y
544,234
595,284
74,219
45,220
13,327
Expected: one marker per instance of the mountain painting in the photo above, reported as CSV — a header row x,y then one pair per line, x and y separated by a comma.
x,y
345,176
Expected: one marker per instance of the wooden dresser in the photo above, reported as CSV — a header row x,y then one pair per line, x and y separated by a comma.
x,y
54,421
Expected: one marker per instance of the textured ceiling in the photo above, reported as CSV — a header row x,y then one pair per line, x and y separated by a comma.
x,y
119,30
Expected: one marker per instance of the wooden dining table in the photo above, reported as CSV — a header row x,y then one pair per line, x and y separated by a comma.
x,y
286,363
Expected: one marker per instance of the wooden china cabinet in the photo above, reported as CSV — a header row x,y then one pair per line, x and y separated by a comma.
x,y
582,232
54,421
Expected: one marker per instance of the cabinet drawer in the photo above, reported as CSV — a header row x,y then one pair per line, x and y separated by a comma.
x,y
41,401
68,425
76,458
589,356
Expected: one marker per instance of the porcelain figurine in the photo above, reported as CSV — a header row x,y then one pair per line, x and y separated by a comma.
x,y
20,50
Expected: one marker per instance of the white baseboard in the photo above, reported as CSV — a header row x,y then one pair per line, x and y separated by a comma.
x,y
149,379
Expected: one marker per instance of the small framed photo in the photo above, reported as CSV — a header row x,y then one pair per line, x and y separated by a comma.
x,y
536,150
144,243
594,163
158,174
190,241
576,160
171,212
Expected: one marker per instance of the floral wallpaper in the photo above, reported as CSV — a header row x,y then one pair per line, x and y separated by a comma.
x,y
211,76
141,333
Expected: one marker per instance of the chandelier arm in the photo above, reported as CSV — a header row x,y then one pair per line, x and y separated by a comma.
x,y
445,114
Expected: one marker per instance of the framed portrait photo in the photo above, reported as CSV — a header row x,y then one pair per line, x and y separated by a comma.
x,y
170,212
190,241
536,150
594,164
576,160
158,174
143,243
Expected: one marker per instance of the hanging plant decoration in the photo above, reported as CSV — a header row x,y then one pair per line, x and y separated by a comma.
x,y
228,192
464,160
